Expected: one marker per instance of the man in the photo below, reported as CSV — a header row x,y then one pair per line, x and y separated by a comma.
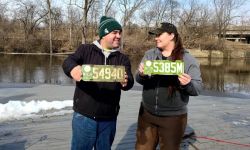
x,y
96,104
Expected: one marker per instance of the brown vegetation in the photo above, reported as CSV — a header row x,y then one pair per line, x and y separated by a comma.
x,y
40,27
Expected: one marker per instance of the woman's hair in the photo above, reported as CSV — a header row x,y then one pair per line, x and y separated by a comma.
x,y
177,54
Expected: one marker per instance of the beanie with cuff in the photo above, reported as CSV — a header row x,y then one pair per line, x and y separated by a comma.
x,y
107,25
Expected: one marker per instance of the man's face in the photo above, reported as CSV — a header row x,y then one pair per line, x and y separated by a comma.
x,y
112,40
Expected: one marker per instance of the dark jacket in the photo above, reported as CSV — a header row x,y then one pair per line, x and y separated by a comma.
x,y
97,100
156,98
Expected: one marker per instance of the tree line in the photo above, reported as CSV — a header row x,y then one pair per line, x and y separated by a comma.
x,y
50,26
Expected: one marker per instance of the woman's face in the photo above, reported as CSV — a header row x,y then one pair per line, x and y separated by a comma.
x,y
164,39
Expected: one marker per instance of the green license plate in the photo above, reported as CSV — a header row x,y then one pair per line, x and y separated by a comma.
x,y
163,67
103,73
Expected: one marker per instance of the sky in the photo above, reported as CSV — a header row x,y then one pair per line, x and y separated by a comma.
x,y
244,10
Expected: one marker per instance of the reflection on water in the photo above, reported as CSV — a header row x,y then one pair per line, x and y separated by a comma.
x,y
226,75
218,74
36,69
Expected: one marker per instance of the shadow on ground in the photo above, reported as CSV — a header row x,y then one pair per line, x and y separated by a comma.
x,y
14,146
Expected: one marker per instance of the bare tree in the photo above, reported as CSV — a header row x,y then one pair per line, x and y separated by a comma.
x,y
224,14
57,17
94,14
195,25
107,6
30,16
147,16
158,11
86,5
53,22
173,5
128,9
187,22
163,9
50,26
3,24
3,9
74,21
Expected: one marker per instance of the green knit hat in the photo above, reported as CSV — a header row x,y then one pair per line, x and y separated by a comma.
x,y
107,25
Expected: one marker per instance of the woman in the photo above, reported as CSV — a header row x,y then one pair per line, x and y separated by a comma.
x,y
163,113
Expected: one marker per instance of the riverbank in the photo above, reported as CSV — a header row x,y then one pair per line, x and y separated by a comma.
x,y
234,52
218,122
219,54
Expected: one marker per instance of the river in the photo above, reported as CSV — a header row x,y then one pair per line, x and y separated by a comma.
x,y
223,76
